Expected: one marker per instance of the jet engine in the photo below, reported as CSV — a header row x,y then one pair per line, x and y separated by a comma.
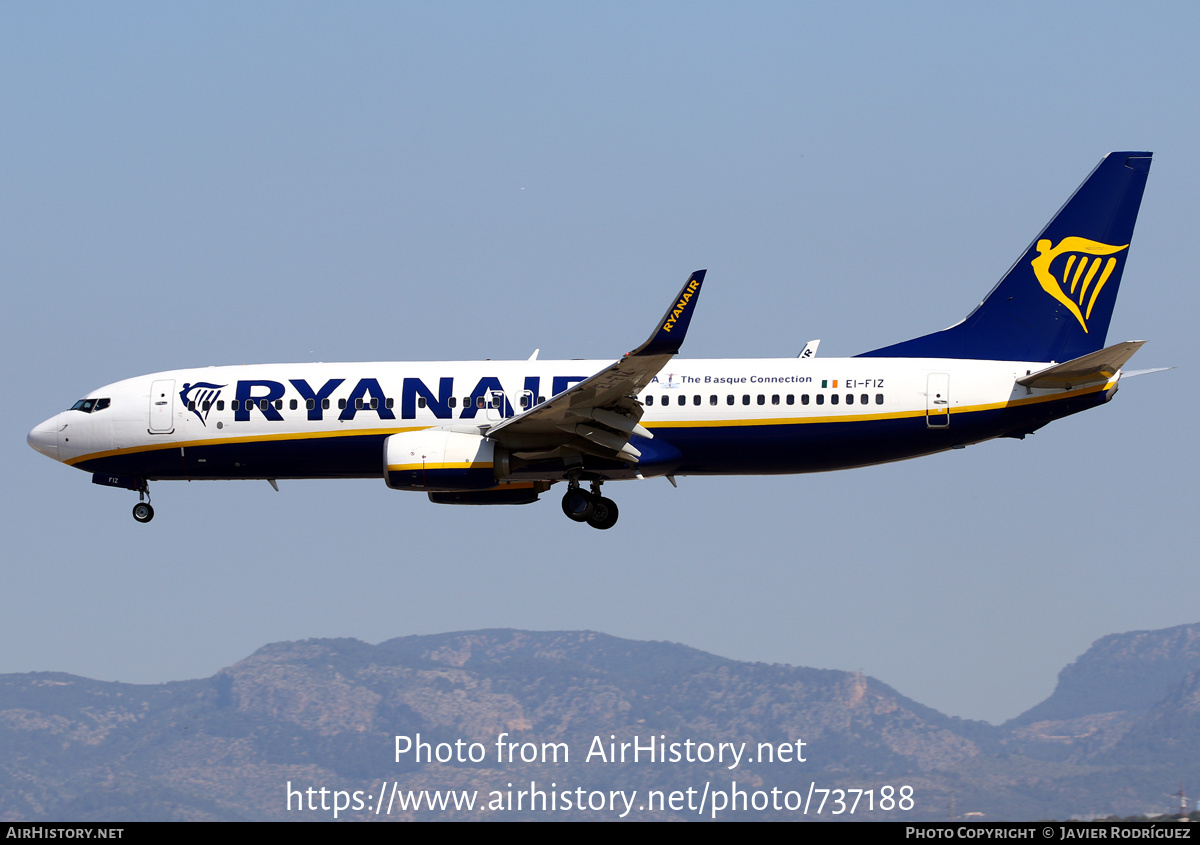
x,y
439,459
454,468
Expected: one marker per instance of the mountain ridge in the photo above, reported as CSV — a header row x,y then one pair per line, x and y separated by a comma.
x,y
328,712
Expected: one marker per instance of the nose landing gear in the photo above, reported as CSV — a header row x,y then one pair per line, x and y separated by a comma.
x,y
590,507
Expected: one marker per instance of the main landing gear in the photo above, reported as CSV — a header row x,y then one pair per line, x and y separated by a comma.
x,y
142,511
596,510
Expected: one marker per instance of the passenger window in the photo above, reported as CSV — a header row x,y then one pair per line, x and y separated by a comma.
x,y
358,404
849,398
803,398
833,399
375,403
452,402
712,400
649,398
263,404
791,399
745,398
235,404
820,398
390,403
278,404
310,404
192,405
420,401
292,405
696,399
206,406
325,404
775,399
682,399
541,399
729,399
864,399
220,404
341,404
762,400
878,398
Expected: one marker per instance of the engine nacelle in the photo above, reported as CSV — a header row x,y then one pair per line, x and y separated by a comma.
x,y
438,459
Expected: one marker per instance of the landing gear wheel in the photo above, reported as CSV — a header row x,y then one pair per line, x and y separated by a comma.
x,y
578,504
604,514
142,512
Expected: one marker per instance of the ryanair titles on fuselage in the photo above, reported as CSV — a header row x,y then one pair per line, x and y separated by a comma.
x,y
444,397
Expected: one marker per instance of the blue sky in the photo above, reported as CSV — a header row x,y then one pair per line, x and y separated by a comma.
x,y
220,183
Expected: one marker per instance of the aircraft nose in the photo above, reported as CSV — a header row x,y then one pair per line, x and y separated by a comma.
x,y
44,438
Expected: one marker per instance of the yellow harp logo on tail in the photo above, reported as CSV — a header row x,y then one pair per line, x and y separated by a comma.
x,y
1081,277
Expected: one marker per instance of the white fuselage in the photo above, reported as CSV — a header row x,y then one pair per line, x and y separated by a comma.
x,y
724,416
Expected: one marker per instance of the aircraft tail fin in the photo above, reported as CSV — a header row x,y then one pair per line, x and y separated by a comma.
x,y
1056,301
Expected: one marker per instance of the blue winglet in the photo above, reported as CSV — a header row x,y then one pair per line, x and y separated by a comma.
x,y
672,328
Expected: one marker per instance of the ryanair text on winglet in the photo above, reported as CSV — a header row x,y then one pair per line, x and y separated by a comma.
x,y
680,306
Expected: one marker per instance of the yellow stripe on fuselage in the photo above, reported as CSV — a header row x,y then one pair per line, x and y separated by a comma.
x,y
368,432
890,415
257,438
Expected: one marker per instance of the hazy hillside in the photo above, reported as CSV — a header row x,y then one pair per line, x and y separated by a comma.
x,y
327,713
1121,672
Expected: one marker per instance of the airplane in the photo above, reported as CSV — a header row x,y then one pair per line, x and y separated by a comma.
x,y
504,432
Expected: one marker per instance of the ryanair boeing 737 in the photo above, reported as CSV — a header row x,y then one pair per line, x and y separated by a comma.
x,y
503,432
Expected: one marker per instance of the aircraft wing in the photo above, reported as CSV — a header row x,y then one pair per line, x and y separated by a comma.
x,y
1094,367
599,415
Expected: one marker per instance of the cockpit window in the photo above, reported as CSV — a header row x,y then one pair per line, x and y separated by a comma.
x,y
90,405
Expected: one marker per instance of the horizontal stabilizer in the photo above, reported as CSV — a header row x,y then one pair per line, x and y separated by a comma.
x,y
1132,373
1087,369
